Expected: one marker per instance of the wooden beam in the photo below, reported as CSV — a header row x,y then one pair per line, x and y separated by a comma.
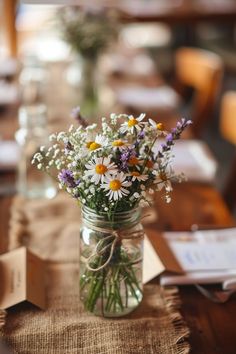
x,y
10,26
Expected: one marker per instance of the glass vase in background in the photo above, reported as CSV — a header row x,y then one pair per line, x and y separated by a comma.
x,y
33,83
111,258
89,101
32,183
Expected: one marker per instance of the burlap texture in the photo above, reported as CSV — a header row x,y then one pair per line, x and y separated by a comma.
x,y
51,229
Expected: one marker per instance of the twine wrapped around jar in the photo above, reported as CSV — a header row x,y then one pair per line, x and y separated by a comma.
x,y
109,242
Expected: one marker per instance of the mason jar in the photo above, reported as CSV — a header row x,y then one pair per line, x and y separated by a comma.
x,y
111,258
32,134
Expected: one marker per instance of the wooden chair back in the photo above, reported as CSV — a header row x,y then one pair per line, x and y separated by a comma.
x,y
228,117
203,71
228,131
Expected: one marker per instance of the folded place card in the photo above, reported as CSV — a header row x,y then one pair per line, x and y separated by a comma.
x,y
158,257
22,278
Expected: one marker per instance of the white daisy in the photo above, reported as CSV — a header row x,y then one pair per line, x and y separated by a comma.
x,y
132,123
100,168
115,186
133,161
119,144
138,176
99,142
162,180
159,127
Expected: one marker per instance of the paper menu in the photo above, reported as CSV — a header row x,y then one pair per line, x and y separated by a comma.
x,y
210,250
201,277
200,257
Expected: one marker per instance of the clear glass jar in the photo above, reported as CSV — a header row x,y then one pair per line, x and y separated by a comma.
x,y
33,82
111,255
31,182
89,87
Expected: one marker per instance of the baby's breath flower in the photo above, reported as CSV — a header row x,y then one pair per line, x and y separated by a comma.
x,y
52,137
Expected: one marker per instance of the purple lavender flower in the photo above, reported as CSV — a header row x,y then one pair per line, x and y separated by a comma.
x,y
141,135
174,130
124,158
76,114
174,135
178,126
66,177
169,137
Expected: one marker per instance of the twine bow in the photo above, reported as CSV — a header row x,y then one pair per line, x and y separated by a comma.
x,y
109,243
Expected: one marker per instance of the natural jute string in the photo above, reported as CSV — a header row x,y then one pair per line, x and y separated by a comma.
x,y
110,241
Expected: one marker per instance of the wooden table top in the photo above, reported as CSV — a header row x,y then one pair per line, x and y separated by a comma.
x,y
212,325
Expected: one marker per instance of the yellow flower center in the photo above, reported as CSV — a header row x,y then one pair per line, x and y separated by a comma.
x,y
89,143
101,169
135,173
118,143
115,185
94,146
133,161
160,126
132,122
149,164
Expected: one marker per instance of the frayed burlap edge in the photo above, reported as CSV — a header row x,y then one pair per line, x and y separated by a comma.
x,y
3,315
182,332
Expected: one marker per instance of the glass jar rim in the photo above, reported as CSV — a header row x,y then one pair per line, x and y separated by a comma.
x,y
104,213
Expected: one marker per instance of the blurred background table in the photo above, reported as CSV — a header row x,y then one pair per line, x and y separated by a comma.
x,y
179,11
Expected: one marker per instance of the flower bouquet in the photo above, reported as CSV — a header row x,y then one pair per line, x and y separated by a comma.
x,y
112,172
89,32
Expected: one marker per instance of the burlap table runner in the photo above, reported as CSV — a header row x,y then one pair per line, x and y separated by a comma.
x,y
51,229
